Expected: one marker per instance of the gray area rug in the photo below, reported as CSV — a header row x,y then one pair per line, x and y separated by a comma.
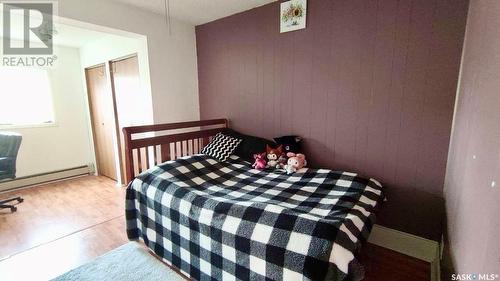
x,y
129,262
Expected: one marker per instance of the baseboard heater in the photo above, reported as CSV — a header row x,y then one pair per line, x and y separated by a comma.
x,y
45,177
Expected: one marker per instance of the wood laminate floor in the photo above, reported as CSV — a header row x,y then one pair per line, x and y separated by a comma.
x,y
62,225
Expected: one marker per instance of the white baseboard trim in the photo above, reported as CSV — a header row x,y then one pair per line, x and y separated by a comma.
x,y
45,177
410,245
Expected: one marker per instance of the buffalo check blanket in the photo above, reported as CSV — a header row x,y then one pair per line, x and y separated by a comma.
x,y
226,221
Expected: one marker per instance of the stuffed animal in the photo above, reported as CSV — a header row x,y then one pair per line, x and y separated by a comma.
x,y
282,161
273,154
260,161
290,143
295,162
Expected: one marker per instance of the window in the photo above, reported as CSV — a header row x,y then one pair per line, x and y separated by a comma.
x,y
25,97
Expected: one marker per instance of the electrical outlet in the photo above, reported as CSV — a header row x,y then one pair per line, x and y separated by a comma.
x,y
473,156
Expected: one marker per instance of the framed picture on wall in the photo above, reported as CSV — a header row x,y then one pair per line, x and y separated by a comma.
x,y
293,15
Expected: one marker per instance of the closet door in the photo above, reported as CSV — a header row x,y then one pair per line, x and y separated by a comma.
x,y
103,120
126,85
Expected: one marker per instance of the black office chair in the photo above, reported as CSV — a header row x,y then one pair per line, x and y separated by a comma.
x,y
9,147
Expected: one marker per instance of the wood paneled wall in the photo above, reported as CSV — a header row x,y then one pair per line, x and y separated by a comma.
x,y
472,186
369,84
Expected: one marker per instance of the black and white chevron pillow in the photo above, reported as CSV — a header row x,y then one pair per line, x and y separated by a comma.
x,y
221,147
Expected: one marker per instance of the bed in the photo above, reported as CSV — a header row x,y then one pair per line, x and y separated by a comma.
x,y
226,221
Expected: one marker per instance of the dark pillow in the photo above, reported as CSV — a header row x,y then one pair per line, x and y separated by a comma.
x,y
221,147
249,146
290,143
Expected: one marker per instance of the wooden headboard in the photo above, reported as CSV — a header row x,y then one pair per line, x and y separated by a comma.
x,y
149,145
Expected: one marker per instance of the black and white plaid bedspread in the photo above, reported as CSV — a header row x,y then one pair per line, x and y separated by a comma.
x,y
227,221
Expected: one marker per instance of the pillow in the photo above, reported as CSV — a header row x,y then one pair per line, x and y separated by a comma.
x,y
249,146
221,147
290,143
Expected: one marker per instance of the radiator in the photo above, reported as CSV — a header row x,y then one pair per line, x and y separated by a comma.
x,y
45,177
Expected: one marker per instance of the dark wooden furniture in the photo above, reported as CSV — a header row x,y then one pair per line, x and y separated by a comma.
x,y
415,212
411,223
146,146
382,264
150,145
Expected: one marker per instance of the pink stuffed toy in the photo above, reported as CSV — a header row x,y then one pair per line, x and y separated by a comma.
x,y
295,162
260,161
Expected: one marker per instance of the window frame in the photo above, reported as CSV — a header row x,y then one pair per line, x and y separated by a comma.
x,y
38,125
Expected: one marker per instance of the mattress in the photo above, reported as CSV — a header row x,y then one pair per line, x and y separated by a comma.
x,y
226,221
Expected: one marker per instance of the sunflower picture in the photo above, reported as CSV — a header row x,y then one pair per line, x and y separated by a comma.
x,y
293,15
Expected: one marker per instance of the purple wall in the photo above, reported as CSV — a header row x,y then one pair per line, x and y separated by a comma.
x,y
370,85
472,204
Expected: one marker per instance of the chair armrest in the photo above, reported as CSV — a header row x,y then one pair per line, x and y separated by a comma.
x,y
7,164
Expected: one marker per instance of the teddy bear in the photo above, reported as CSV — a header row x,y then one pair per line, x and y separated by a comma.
x,y
295,162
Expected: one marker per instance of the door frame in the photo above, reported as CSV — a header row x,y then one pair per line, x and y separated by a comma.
x,y
124,57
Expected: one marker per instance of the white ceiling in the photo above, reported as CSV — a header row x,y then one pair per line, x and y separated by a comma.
x,y
70,36
65,35
75,37
191,11
197,11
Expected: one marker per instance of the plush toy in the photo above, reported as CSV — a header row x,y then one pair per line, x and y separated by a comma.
x,y
273,154
282,161
290,143
260,161
295,162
